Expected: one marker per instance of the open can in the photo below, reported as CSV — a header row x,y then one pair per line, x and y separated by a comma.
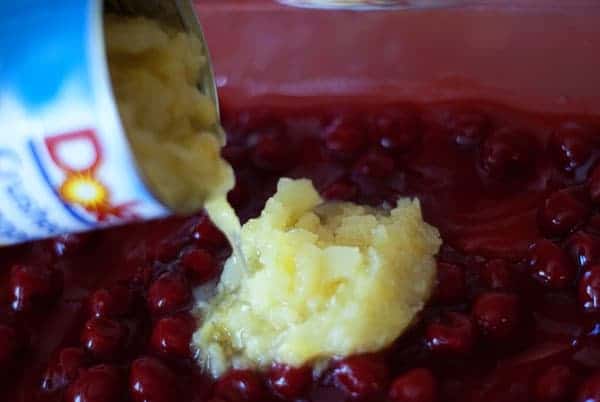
x,y
65,162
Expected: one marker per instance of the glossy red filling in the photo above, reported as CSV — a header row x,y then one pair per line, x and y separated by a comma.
x,y
515,316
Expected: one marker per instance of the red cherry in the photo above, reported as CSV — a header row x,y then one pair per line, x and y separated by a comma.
x,y
344,139
236,155
200,265
142,276
168,294
451,283
289,383
241,122
97,384
594,184
206,234
395,131
506,153
341,191
496,315
374,164
454,334
63,369
152,381
416,385
361,376
583,248
589,290
34,286
572,144
593,225
497,275
167,249
104,338
240,386
172,336
589,390
239,194
561,212
9,346
272,153
112,302
71,243
468,128
553,384
550,265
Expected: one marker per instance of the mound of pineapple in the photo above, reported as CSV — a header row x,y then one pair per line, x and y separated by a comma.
x,y
317,280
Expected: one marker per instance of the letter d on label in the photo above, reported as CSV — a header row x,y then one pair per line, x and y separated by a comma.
x,y
75,152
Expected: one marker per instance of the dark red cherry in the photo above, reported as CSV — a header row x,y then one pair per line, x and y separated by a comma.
x,y
589,290
112,302
340,191
104,338
206,234
71,243
454,333
550,265
594,184
289,383
553,384
238,194
168,294
497,274
9,346
451,283
236,155
142,276
589,390
33,286
583,248
497,315
272,152
63,369
416,385
200,265
240,386
375,164
561,212
171,336
507,153
165,249
361,376
152,381
395,130
97,384
572,144
593,225
468,128
344,138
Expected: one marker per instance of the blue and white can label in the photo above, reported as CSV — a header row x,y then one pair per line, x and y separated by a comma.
x,y
65,163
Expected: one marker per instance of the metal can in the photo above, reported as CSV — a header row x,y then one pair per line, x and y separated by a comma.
x,y
65,162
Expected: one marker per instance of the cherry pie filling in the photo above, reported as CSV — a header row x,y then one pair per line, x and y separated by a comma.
x,y
515,315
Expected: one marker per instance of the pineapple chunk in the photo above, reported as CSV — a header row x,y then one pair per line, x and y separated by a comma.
x,y
320,280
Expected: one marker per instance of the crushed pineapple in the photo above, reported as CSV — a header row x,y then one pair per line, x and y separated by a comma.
x,y
172,127
320,280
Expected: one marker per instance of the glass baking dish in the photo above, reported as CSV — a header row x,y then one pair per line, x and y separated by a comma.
x,y
535,55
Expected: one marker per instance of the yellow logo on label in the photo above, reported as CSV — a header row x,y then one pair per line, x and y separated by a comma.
x,y
80,185
85,190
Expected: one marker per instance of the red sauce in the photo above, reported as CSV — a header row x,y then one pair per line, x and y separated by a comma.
x,y
515,316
